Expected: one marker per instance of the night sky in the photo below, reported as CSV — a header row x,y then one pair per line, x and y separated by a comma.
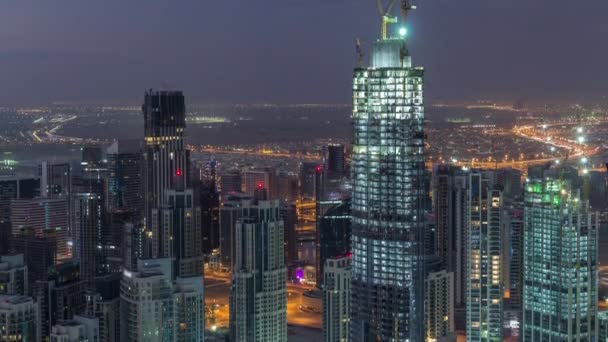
x,y
294,51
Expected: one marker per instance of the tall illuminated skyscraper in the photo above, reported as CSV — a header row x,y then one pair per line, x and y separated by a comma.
x,y
560,262
387,296
484,290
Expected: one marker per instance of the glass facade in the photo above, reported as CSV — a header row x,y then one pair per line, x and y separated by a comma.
x,y
560,263
388,191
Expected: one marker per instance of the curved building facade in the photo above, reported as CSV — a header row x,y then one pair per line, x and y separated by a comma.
x,y
387,297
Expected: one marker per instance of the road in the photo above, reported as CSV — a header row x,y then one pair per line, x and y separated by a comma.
x,y
217,295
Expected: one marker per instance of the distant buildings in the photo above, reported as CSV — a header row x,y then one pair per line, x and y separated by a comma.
x,y
439,305
336,299
13,275
258,296
76,330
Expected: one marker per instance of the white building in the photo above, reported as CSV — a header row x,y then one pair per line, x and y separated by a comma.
x,y
80,329
258,299
19,319
147,302
336,299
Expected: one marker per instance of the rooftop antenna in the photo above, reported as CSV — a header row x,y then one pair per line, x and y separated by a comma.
x,y
359,52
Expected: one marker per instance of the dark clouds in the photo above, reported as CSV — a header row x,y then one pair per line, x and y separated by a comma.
x,y
293,50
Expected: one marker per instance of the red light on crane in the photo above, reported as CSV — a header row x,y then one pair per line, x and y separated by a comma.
x,y
178,172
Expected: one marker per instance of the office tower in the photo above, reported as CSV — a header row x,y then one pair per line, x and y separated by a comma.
x,y
79,329
88,227
335,159
19,319
254,179
13,275
449,188
113,235
103,303
60,296
125,180
55,179
132,246
388,195
39,254
336,299
513,233
287,186
258,297
308,172
166,162
439,302
13,187
230,182
484,251
290,221
183,228
230,211
560,260
333,236
44,216
208,200
147,302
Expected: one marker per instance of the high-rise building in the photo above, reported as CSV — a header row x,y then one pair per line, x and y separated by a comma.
x,y
88,227
43,216
19,319
255,179
449,188
39,254
182,221
388,196
166,163
55,179
258,296
484,251
230,182
60,296
103,303
439,304
13,275
147,302
308,172
208,200
81,328
335,159
513,233
333,231
290,221
230,211
602,322
11,188
560,260
336,299
125,186
189,309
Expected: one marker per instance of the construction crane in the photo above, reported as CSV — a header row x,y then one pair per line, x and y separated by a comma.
x,y
385,13
359,52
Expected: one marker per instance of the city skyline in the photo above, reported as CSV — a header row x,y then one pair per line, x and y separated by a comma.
x,y
100,53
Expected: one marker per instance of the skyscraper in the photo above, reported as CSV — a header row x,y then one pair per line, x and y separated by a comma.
x,y
13,275
439,301
336,299
258,296
388,196
333,235
166,161
335,159
484,267
560,261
